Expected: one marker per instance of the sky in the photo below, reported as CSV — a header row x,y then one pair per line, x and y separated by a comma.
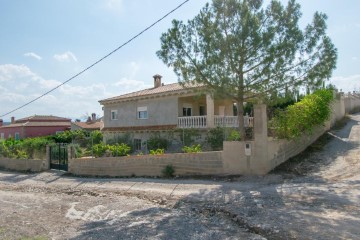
x,y
44,43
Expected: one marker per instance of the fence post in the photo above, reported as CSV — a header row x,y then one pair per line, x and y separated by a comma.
x,y
259,162
46,162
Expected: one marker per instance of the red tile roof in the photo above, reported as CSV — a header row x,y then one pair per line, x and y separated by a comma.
x,y
174,87
42,118
40,121
39,124
86,125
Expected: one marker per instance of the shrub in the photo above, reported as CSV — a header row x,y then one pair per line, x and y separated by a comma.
x,y
100,149
215,138
234,136
168,171
158,151
313,110
187,136
157,143
192,149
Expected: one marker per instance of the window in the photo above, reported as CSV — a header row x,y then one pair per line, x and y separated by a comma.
x,y
187,111
137,144
114,115
17,136
142,113
2,136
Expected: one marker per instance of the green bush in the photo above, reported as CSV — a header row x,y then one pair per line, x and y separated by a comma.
x,y
24,148
313,110
168,171
100,149
157,143
192,149
215,138
187,136
234,136
158,151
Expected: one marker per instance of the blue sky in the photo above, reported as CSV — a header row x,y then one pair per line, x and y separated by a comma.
x,y
43,43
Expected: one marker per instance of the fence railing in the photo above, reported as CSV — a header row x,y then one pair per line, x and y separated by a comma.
x,y
192,122
220,121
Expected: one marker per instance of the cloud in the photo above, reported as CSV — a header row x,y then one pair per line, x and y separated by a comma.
x,y
33,55
347,83
19,85
354,58
129,85
114,5
10,72
65,57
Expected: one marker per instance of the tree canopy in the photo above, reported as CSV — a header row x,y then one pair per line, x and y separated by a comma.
x,y
241,50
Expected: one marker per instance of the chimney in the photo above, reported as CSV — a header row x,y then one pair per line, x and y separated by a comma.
x,y
88,120
12,119
157,80
1,122
93,117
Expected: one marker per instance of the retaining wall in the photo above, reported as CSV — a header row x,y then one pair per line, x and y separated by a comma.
x,y
23,164
206,163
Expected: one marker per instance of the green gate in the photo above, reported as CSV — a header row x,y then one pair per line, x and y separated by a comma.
x,y
59,156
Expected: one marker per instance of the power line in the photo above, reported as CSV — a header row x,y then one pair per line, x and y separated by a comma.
x,y
98,61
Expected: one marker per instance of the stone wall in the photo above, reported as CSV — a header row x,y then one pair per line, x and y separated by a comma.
x,y
352,102
206,163
23,164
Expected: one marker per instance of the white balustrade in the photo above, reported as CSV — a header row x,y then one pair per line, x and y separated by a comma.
x,y
192,122
220,121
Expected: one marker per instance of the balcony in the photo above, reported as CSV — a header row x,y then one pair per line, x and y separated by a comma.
x,y
219,121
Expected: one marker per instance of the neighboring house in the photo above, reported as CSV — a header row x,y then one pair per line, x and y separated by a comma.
x,y
34,126
163,108
90,125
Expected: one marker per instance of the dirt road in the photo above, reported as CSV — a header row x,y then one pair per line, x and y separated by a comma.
x,y
316,198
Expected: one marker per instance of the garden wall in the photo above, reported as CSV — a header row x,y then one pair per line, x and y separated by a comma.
x,y
24,164
206,163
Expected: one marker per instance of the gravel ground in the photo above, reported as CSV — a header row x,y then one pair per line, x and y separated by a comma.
x,y
314,196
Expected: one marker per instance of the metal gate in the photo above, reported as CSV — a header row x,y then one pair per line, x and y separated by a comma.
x,y
59,156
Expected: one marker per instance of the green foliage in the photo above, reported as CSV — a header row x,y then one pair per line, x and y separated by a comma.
x,y
168,171
242,50
156,142
24,148
215,138
96,137
100,149
192,149
188,136
234,136
158,151
313,110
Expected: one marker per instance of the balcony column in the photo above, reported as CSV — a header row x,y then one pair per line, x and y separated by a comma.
x,y
209,111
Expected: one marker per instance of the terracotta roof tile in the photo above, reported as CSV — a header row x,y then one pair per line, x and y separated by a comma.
x,y
39,124
35,118
86,125
152,91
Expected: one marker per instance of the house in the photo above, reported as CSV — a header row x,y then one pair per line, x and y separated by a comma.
x,y
90,125
164,108
34,126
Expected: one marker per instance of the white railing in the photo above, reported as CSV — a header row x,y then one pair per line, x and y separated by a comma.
x,y
226,121
221,121
233,121
192,122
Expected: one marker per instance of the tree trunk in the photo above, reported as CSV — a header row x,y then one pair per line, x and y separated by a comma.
x,y
240,113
